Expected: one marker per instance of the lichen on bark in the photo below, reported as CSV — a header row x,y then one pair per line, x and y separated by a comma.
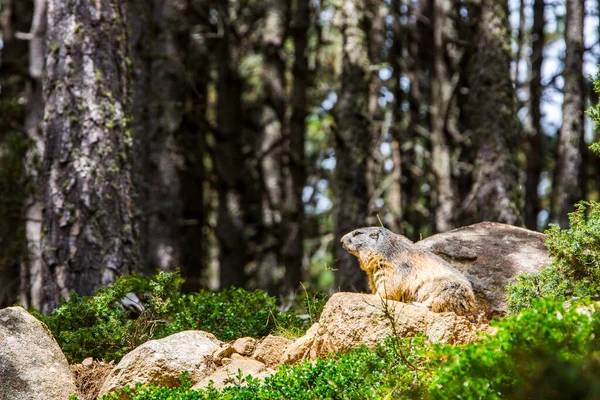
x,y
88,190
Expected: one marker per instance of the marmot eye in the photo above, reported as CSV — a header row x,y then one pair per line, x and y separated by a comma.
x,y
356,233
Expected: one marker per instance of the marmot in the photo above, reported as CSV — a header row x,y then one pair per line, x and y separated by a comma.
x,y
399,271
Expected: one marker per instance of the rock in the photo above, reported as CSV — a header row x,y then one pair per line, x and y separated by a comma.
x,y
490,255
270,350
162,361
350,320
32,366
88,362
245,346
227,375
300,349
224,352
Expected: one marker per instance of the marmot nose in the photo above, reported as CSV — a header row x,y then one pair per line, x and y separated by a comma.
x,y
345,240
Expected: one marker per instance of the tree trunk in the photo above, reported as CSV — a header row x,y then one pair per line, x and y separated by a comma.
x,y
534,156
353,141
374,27
568,190
169,108
441,96
229,162
398,130
31,268
15,16
493,120
90,235
293,217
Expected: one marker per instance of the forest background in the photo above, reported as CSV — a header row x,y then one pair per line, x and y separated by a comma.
x,y
238,140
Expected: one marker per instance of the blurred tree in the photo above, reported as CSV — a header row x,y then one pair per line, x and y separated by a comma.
x,y
31,266
534,156
568,173
495,190
293,208
90,236
15,20
169,113
443,83
353,142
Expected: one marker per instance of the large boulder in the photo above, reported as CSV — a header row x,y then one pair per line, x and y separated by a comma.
x,y
490,255
350,320
161,362
32,366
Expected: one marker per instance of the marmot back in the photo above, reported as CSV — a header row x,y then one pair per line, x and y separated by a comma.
x,y
399,271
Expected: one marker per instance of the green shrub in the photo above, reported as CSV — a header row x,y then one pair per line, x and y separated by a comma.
x,y
229,314
545,352
551,282
575,270
96,326
577,250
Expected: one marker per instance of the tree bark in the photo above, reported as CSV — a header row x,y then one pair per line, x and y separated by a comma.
x,y
398,130
568,190
90,235
534,156
353,141
493,120
15,16
441,96
293,216
169,107
31,267
238,220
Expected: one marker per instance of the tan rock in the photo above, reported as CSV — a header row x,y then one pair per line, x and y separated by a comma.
x,y
270,350
226,361
299,349
226,351
32,366
350,320
227,375
88,362
245,346
236,356
162,361
490,254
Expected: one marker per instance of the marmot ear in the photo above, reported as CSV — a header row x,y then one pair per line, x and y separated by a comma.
x,y
374,235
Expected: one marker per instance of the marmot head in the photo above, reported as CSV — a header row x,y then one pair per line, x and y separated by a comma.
x,y
366,243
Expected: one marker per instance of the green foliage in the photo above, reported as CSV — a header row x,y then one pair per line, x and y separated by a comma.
x,y
551,283
97,326
228,314
358,374
577,250
594,113
545,352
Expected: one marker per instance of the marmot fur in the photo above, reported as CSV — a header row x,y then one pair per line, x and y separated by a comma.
x,y
399,271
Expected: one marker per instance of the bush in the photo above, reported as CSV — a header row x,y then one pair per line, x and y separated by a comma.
x,y
545,352
551,282
96,326
577,250
229,314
